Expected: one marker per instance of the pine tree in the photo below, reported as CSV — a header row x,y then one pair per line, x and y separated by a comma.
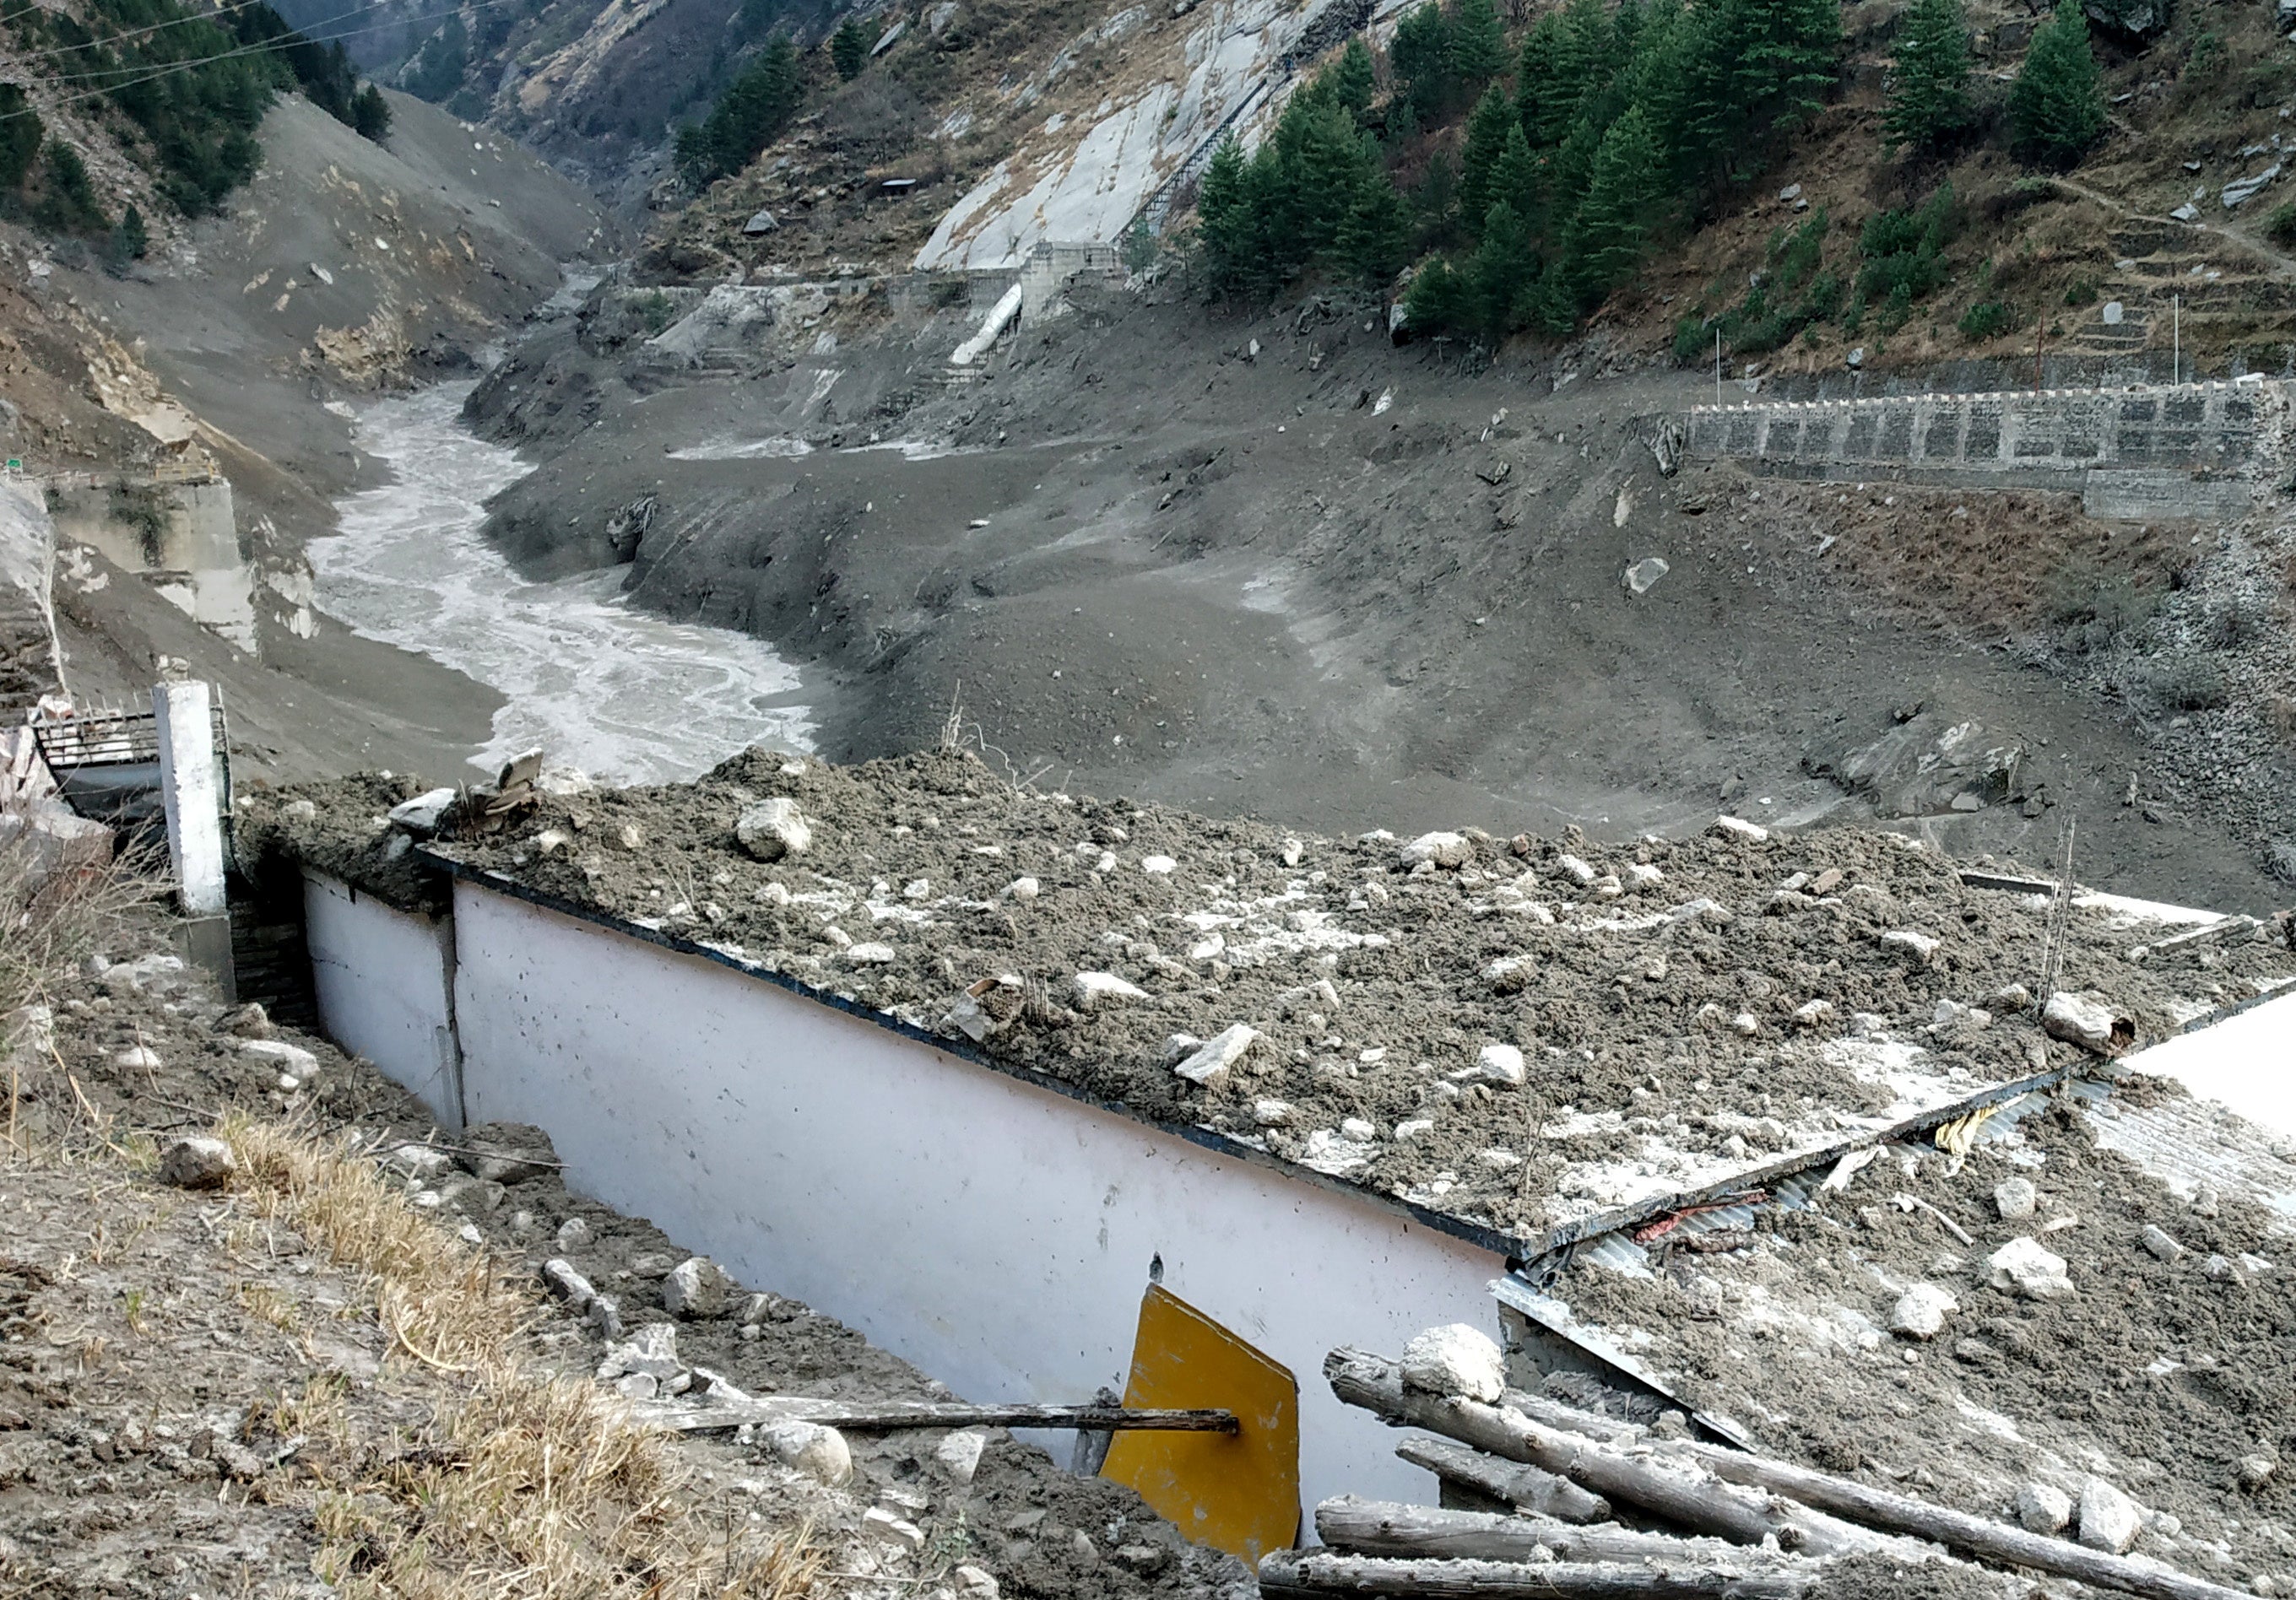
x,y
1493,119
1223,229
129,241
1518,178
1352,79
1929,89
1440,300
1374,236
1478,46
370,114
21,133
1583,63
1540,100
848,48
1421,58
1502,272
2056,107
1623,197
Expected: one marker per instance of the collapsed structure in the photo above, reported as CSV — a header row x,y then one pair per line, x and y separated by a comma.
x,y
967,1065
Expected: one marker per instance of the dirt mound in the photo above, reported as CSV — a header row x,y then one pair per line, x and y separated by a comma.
x,y
1517,1034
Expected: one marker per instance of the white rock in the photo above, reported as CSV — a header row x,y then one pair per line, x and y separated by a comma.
x,y
1412,1128
810,1448
1644,875
2162,1247
2088,1021
698,1287
1643,577
1271,1114
137,1058
958,1454
2024,1265
638,1386
1923,946
197,1162
1501,1064
1509,974
1813,1014
2044,1508
278,1053
774,828
1738,827
1209,1067
1455,1359
652,1351
573,1234
1159,864
1580,871
567,1285
2016,1199
1022,888
1921,1310
2108,1519
872,950
1094,987
975,1583
1442,849
885,1525
421,815
1747,1024
1357,1129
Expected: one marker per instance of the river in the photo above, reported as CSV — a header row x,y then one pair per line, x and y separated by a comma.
x,y
622,695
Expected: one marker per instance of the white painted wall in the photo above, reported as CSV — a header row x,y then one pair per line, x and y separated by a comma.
x,y
994,1234
2246,1062
385,979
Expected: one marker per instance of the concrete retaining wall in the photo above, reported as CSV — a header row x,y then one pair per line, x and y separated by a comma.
x,y
384,982
2191,450
995,1233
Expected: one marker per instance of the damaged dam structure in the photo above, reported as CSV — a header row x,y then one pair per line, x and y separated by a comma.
x,y
1330,1117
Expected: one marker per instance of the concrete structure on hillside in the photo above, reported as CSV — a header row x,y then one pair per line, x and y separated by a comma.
x,y
2190,451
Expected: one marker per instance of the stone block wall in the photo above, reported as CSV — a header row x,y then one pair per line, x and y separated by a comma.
x,y
2197,432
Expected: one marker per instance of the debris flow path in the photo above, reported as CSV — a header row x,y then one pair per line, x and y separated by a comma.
x,y
625,697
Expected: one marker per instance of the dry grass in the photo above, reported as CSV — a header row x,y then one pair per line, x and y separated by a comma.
x,y
527,1484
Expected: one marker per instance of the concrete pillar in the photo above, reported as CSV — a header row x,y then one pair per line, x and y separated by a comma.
x,y
191,785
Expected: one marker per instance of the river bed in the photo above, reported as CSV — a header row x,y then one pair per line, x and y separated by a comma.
x,y
601,687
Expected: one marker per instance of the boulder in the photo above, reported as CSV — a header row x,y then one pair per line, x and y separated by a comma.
x,y
760,222
1443,849
1210,1065
421,815
1501,1064
1643,577
2044,1508
507,1151
651,1351
2089,1021
2016,1199
2108,1519
773,830
279,1055
197,1162
566,1286
2135,21
958,1454
1455,1359
2024,1267
698,1288
2157,1242
1921,1312
811,1448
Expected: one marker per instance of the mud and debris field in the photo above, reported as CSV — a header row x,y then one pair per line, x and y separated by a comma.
x,y
1517,1032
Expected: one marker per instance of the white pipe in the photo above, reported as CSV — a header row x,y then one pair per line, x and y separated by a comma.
x,y
1000,317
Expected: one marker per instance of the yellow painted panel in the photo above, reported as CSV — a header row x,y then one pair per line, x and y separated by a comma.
x,y
1238,1492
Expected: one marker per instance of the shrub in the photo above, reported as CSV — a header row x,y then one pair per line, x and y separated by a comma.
x,y
2094,607
1987,318
2233,624
2081,291
2188,683
2280,228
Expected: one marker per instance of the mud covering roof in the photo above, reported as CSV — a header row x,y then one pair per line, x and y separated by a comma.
x,y
1515,1035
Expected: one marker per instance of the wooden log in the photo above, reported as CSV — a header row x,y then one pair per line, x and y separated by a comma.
x,y
898,1417
1309,1573
1385,1528
1530,1487
1978,1536
1695,1502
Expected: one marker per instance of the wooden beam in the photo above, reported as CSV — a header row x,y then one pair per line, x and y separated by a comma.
x,y
1384,1528
1531,1488
1312,1573
1691,1501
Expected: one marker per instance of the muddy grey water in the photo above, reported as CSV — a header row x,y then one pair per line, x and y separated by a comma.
x,y
624,697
